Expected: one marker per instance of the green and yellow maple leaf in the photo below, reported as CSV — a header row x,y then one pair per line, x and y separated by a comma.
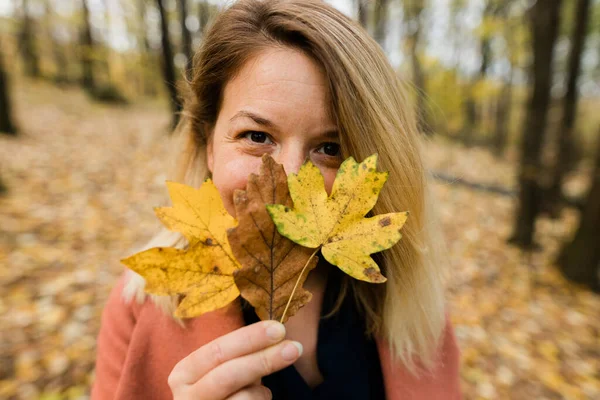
x,y
337,222
203,273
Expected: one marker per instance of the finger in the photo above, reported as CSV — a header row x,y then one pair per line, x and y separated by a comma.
x,y
258,382
252,393
238,343
240,372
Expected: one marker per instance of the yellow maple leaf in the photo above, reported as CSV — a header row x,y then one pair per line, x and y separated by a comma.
x,y
204,272
337,222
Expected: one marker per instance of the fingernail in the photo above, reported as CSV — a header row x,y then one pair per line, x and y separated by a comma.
x,y
276,331
292,351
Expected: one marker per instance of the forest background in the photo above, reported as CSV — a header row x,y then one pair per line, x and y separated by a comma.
x,y
507,93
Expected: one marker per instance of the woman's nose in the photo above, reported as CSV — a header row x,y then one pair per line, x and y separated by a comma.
x,y
291,159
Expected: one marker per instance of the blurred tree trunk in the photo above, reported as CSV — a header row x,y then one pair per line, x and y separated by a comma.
x,y
503,116
28,44
147,56
485,48
380,21
412,13
204,15
186,37
579,260
87,50
503,110
7,127
6,122
110,60
142,22
363,13
472,113
470,110
544,17
564,161
62,73
168,65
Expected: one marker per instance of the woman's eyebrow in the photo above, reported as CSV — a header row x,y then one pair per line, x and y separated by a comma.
x,y
333,134
255,117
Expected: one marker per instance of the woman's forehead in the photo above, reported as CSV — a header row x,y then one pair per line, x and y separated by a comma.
x,y
284,63
280,84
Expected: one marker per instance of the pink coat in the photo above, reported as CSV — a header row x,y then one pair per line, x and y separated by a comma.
x,y
139,345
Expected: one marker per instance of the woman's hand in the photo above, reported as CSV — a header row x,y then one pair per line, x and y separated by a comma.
x,y
231,367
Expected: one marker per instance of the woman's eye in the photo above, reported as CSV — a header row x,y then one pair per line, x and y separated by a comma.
x,y
257,137
330,149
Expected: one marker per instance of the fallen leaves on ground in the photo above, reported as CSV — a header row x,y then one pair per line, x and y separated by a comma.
x,y
83,180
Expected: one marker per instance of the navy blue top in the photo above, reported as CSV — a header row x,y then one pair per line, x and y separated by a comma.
x,y
347,358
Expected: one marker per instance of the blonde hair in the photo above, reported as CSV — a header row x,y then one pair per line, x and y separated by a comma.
x,y
373,115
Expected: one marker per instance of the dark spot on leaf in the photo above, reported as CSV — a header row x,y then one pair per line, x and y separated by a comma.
x,y
364,166
216,269
371,272
208,241
287,209
160,249
385,222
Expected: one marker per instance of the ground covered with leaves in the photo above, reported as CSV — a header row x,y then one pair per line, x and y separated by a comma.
x,y
83,179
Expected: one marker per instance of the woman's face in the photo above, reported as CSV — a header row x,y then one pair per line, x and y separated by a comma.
x,y
277,104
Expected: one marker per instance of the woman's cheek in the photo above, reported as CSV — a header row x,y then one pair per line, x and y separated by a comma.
x,y
231,175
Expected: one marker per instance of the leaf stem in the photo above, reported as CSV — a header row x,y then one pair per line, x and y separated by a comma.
x,y
298,281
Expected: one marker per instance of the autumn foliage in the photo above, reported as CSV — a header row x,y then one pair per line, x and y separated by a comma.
x,y
266,254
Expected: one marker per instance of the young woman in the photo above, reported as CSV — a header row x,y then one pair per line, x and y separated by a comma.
x,y
294,79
